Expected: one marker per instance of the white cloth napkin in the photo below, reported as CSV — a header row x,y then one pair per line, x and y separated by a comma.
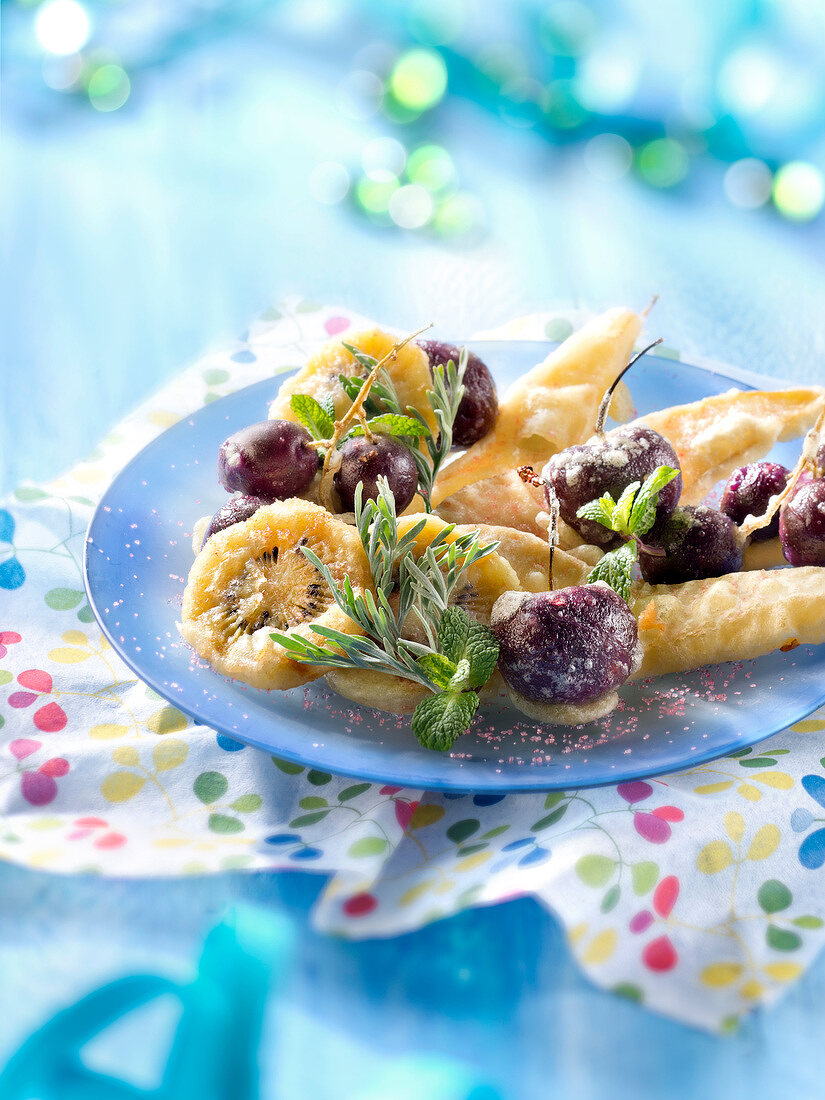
x,y
700,894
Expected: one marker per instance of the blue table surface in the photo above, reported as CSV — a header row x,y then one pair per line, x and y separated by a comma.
x,y
131,244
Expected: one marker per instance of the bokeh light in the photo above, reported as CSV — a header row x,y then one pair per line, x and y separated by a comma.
x,y
432,167
436,21
608,77
383,158
329,182
561,107
373,197
799,191
520,98
568,28
108,87
411,206
608,156
458,215
360,93
62,73
748,79
62,27
748,183
663,162
419,80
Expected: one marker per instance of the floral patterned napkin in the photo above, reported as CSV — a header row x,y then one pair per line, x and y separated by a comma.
x,y
699,894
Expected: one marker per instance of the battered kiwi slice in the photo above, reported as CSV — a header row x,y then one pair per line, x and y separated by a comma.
x,y
409,371
253,578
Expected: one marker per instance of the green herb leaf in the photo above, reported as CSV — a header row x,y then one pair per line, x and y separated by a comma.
x,y
440,720
453,629
624,506
313,416
328,405
361,357
471,648
481,653
616,569
351,385
635,511
439,668
643,513
393,424
600,511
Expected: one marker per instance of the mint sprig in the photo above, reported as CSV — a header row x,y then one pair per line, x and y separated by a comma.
x,y
465,660
631,516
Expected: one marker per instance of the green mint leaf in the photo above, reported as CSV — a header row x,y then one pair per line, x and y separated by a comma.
x,y
405,427
461,677
471,647
328,405
439,720
600,511
439,668
643,513
395,424
481,653
616,569
313,416
624,505
452,633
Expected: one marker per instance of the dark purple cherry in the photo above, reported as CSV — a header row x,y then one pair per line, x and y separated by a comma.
x,y
234,511
271,459
565,647
365,460
802,524
608,464
748,492
697,542
478,409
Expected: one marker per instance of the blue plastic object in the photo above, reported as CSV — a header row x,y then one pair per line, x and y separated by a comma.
x,y
137,555
215,1049
214,1055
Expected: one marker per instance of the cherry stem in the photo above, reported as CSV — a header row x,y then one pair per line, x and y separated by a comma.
x,y
650,305
553,529
653,551
807,461
601,415
530,477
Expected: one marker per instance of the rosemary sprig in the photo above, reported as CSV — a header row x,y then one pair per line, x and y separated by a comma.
x,y
460,654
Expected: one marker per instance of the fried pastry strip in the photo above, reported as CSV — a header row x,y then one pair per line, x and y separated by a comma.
x,y
730,618
529,557
714,436
551,406
504,499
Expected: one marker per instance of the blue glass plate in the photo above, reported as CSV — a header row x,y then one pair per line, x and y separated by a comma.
x,y
138,555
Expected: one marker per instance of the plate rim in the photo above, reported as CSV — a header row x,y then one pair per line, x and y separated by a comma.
x,y
533,780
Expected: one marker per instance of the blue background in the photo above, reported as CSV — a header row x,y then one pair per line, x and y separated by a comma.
x,y
132,242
